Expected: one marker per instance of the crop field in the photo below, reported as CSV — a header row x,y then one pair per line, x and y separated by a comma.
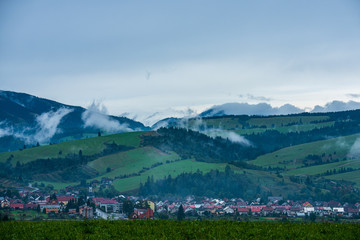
x,y
338,147
88,146
174,169
159,229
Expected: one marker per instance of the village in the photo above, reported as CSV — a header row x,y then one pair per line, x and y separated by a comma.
x,y
36,205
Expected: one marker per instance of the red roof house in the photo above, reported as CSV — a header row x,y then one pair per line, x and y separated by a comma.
x,y
16,204
143,213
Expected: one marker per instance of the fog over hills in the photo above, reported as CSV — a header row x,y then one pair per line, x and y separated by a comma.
x,y
28,120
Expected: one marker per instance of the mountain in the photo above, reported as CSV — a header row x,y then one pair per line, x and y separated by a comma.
x,y
28,120
250,109
301,156
265,109
336,106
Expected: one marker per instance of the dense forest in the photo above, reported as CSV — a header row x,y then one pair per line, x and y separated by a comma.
x,y
211,184
238,185
188,144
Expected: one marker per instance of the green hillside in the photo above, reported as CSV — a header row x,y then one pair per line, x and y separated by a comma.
x,y
129,159
88,146
249,125
349,176
334,154
173,169
292,157
132,161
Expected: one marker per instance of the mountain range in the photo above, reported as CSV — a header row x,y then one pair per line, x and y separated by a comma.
x,y
30,120
300,156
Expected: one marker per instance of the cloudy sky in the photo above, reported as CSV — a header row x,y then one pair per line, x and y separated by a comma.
x,y
146,56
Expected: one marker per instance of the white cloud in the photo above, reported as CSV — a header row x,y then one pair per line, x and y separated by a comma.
x,y
46,127
233,137
355,148
48,124
96,116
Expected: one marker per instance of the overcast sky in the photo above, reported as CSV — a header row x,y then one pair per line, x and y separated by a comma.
x,y
145,56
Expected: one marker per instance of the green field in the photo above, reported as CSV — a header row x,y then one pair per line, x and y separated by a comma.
x,y
288,156
291,159
27,215
56,185
88,146
318,169
173,169
348,176
160,229
131,161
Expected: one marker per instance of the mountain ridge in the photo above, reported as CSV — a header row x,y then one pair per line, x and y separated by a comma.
x,y
27,120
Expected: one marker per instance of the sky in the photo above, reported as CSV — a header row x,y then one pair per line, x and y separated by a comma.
x,y
141,57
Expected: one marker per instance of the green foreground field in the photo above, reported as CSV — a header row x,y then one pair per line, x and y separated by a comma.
x,y
159,229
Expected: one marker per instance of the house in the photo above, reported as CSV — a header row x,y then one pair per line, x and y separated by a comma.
x,y
334,204
267,210
293,211
161,209
189,211
173,209
143,213
229,210
109,205
256,209
61,200
5,203
16,204
309,209
30,205
86,212
338,210
55,208
151,205
242,211
352,211
307,204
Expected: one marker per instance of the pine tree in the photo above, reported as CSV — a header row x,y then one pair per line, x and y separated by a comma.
x,y
181,213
